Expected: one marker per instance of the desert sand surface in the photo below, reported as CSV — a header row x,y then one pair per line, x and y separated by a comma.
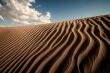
x,y
75,46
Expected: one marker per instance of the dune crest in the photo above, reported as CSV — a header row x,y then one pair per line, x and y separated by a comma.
x,y
76,46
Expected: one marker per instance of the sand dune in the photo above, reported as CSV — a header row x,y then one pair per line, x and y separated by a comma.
x,y
76,46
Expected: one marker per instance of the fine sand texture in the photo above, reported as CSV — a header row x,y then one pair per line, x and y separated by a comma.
x,y
75,46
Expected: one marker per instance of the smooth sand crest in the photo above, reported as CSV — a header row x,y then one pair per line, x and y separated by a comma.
x,y
75,46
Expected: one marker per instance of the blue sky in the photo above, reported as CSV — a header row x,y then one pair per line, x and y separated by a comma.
x,y
73,9
61,10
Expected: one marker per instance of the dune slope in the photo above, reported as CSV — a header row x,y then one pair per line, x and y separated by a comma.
x,y
76,46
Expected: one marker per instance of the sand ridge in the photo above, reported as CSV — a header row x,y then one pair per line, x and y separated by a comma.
x,y
76,46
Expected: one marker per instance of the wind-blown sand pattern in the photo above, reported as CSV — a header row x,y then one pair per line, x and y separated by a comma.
x,y
76,46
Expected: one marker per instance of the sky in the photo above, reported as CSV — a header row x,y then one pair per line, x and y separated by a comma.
x,y
47,11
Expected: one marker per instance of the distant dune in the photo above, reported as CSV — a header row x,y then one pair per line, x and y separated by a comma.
x,y
75,46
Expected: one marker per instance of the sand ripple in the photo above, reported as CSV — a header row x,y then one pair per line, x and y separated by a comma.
x,y
76,46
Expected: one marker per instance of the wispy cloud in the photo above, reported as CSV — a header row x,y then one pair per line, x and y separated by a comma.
x,y
21,11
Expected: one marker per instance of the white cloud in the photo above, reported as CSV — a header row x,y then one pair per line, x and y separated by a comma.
x,y
0,5
20,11
1,18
